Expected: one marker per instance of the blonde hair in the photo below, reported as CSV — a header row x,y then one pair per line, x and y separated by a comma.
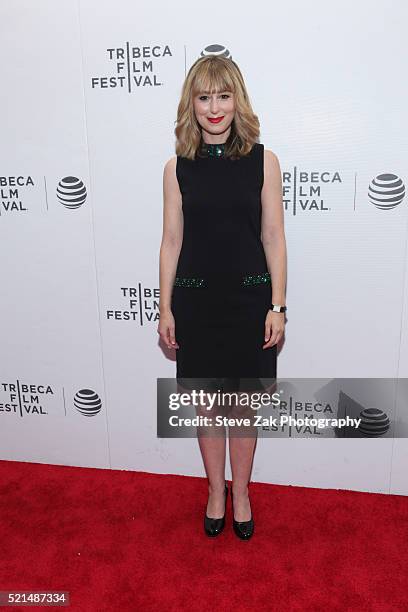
x,y
215,73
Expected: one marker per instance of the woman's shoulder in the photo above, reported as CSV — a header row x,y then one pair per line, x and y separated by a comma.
x,y
271,164
270,157
170,169
170,164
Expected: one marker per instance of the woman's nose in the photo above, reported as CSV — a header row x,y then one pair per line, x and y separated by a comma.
x,y
214,106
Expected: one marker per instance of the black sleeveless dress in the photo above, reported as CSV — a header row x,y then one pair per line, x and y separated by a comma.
x,y
222,290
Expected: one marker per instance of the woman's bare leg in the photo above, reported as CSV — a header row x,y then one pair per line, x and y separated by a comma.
x,y
241,455
213,450
242,444
212,443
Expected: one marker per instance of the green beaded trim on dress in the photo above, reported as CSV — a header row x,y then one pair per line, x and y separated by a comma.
x,y
248,280
181,281
257,279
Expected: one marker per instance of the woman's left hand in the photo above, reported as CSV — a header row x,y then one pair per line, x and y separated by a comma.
x,y
274,328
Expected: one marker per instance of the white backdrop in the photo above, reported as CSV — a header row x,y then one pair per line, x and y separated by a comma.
x,y
89,98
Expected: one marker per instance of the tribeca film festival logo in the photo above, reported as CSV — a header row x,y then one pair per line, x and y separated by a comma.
x,y
28,399
18,193
132,67
140,304
304,191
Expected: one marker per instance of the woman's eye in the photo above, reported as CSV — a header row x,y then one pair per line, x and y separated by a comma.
x,y
222,96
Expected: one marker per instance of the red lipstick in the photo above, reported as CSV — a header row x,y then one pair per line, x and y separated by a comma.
x,y
216,119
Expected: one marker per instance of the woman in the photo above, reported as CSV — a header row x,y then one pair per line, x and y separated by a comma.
x,y
223,241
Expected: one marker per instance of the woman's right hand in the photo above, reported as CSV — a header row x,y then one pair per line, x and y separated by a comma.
x,y
166,329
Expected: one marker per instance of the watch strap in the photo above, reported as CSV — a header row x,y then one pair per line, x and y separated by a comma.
x,y
278,308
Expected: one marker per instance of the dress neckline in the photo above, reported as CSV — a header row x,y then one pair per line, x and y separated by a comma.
x,y
215,150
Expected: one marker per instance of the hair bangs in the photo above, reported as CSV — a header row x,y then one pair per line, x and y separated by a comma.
x,y
212,79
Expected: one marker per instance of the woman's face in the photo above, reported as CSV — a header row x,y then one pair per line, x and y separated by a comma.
x,y
220,105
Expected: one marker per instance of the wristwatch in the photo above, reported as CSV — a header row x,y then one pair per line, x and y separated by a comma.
x,y
277,308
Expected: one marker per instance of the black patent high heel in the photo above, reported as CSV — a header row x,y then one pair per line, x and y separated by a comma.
x,y
214,526
243,529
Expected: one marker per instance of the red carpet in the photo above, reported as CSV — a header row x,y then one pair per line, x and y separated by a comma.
x,y
126,541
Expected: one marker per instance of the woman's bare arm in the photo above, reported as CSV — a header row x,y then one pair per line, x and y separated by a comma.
x,y
172,233
272,233
274,243
172,239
